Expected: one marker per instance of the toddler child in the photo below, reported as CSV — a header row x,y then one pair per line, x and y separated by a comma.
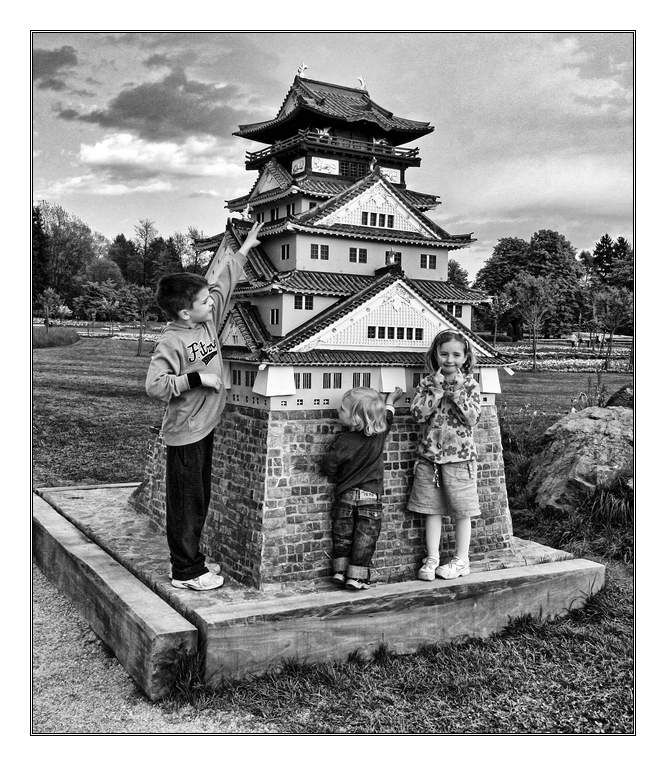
x,y
185,372
355,462
448,402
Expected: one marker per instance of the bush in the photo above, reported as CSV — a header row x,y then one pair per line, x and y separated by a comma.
x,y
56,336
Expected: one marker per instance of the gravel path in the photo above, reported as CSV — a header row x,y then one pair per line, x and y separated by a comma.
x,y
80,687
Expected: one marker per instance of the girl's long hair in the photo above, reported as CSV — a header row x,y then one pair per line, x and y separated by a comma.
x,y
443,337
367,411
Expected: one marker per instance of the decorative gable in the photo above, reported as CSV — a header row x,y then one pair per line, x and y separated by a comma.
x,y
267,182
231,334
395,319
365,209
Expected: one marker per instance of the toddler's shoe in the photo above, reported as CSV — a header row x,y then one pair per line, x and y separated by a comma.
x,y
427,571
354,583
338,578
206,581
455,568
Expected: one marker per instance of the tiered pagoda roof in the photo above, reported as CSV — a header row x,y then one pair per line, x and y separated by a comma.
x,y
281,351
320,104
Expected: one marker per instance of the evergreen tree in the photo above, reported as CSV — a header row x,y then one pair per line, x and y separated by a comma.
x,y
124,252
603,257
40,255
457,275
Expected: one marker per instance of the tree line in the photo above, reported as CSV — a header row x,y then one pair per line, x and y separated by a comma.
x,y
543,286
80,273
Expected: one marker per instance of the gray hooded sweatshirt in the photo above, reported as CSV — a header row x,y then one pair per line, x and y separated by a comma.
x,y
193,412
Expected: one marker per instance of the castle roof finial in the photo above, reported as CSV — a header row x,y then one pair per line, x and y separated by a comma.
x,y
301,69
361,79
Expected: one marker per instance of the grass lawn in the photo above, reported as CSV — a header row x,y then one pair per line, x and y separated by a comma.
x,y
91,415
91,420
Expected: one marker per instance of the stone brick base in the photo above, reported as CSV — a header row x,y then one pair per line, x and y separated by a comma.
x,y
269,516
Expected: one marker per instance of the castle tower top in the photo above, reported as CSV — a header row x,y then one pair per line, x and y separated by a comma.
x,y
313,104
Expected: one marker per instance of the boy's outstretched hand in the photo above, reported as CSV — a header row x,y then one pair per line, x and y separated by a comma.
x,y
252,239
393,397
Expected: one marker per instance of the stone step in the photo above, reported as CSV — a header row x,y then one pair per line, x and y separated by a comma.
x,y
257,636
144,632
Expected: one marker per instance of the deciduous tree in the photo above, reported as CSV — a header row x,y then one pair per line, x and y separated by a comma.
x,y
457,275
533,297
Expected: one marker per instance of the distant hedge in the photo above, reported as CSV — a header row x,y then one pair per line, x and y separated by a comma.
x,y
56,336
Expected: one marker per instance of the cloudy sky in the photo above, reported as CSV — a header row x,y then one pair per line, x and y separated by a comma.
x,y
531,130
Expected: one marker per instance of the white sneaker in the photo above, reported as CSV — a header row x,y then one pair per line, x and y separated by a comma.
x,y
207,581
427,571
455,568
210,566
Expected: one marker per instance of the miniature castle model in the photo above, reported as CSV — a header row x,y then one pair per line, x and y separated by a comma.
x,y
348,288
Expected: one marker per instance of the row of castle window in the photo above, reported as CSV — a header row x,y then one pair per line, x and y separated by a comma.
x,y
304,302
454,309
360,255
236,377
379,220
395,333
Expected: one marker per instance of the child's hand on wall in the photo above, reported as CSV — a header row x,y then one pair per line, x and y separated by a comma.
x,y
210,380
393,397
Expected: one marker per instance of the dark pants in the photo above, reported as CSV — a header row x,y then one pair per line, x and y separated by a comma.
x,y
188,469
357,521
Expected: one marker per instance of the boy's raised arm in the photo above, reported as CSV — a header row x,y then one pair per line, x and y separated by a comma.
x,y
224,272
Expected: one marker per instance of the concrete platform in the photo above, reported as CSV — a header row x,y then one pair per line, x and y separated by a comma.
x,y
243,630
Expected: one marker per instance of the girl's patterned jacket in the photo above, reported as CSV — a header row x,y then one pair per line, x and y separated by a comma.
x,y
449,412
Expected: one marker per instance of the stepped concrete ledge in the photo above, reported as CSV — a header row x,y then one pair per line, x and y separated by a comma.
x,y
146,634
244,631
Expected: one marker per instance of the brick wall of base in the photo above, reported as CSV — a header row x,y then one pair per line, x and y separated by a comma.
x,y
269,516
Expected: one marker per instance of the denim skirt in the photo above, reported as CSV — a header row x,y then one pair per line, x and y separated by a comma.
x,y
456,496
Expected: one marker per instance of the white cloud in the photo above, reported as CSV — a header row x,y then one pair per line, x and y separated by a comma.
x,y
91,184
194,157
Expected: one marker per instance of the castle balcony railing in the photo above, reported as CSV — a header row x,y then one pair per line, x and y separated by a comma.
x,y
336,143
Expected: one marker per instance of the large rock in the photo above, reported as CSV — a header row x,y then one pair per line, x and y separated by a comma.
x,y
581,450
623,397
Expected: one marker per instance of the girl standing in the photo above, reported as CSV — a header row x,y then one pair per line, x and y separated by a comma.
x,y
355,462
448,403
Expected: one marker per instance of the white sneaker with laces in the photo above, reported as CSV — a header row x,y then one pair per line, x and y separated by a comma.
x,y
455,568
210,566
427,571
206,581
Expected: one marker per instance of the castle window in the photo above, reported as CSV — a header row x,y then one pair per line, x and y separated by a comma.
x,y
458,311
424,261
400,333
314,251
315,401
364,218
432,261
382,220
274,213
410,333
326,380
291,208
350,169
381,332
352,255
326,401
371,331
390,333
309,302
356,380
249,378
261,217
373,219
389,221
418,333
311,205
298,301
393,258
323,252
449,308
285,252
275,316
297,379
362,255
337,380
236,377
416,379
307,380
366,379
299,402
